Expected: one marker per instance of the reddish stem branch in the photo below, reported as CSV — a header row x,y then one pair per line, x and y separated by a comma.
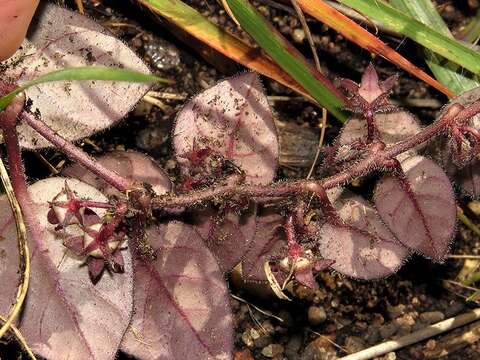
x,y
76,154
377,156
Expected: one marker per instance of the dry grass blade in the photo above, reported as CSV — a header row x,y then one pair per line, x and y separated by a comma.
x,y
355,33
272,280
422,334
22,250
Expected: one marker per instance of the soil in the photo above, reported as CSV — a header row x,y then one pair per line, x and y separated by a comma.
x,y
343,315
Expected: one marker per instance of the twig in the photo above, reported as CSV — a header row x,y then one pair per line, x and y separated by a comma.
x,y
425,333
467,222
377,155
21,340
329,340
306,29
308,34
229,12
454,256
79,4
45,162
264,312
320,142
76,154
23,252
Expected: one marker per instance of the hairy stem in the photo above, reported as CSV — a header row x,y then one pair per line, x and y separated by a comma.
x,y
377,156
11,112
76,154
19,184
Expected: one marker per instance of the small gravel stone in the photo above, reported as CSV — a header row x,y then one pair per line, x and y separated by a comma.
x,y
298,35
475,207
454,309
316,315
254,334
313,353
432,317
262,341
293,346
247,339
372,336
390,356
431,345
396,311
272,350
354,344
388,330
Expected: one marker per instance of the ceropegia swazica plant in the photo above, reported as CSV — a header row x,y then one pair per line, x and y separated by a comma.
x,y
122,258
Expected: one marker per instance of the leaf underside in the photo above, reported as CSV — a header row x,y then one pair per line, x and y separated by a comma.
x,y
422,218
59,38
130,164
181,300
65,315
234,120
363,247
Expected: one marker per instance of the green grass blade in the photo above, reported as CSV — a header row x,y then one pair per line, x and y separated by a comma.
x,y
82,73
289,59
446,72
396,20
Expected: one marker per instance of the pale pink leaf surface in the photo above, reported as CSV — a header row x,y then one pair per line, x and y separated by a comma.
x,y
58,39
181,301
228,236
363,248
392,127
234,120
65,316
422,218
130,164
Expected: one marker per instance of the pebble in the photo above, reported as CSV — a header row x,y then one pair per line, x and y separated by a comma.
x,y
312,353
454,308
243,355
316,315
475,207
431,345
162,54
388,330
298,35
272,350
354,344
247,339
372,336
432,317
293,346
262,341
396,311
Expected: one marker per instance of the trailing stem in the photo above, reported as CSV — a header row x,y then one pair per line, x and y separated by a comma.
x,y
23,251
378,156
76,154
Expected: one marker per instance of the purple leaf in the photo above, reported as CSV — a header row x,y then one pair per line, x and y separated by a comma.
x,y
60,38
421,212
130,164
364,247
181,301
228,235
269,242
231,119
65,315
